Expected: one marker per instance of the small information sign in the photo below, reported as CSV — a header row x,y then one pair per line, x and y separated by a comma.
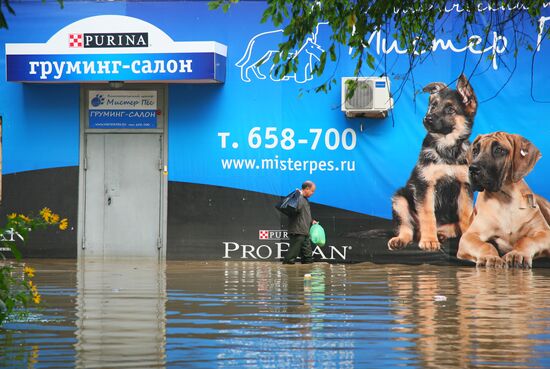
x,y
122,109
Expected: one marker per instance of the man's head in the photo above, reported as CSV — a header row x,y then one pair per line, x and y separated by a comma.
x,y
499,158
308,189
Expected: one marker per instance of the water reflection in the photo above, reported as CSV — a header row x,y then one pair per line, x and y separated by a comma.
x,y
288,327
487,318
265,315
121,314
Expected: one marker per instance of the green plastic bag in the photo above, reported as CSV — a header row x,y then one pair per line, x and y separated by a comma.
x,y
317,235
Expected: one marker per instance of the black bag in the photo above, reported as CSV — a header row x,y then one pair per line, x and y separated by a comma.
x,y
289,204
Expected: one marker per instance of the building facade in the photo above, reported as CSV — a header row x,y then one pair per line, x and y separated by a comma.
x,y
153,128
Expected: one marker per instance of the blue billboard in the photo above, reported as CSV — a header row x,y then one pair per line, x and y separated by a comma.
x,y
251,131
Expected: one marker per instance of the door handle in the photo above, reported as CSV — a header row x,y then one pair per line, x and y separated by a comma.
x,y
109,200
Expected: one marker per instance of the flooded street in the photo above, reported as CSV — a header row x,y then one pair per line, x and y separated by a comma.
x,y
137,314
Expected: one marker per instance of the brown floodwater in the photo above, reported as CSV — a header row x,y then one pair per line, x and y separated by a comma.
x,y
139,314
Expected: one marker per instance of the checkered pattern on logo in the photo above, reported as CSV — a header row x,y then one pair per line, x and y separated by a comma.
x,y
264,235
76,40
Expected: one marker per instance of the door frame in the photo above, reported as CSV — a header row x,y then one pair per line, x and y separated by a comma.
x,y
84,88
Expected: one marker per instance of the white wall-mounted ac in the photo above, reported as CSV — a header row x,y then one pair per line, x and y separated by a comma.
x,y
371,97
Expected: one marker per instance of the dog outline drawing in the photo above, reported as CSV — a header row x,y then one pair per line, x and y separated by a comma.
x,y
262,46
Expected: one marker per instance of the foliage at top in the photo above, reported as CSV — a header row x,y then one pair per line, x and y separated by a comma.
x,y
413,24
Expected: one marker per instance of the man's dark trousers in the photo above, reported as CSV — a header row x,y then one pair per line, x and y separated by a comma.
x,y
300,244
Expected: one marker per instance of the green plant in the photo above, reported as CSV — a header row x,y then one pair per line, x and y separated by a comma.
x,y
17,290
413,25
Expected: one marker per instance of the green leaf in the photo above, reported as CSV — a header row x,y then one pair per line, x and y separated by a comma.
x,y
10,304
322,65
3,22
277,19
332,53
370,60
212,5
15,251
285,53
8,6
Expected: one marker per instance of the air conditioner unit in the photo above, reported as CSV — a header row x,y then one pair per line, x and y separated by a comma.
x,y
371,97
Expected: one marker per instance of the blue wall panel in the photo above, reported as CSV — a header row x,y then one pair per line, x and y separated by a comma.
x,y
41,122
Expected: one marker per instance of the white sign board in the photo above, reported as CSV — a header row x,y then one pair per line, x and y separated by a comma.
x,y
122,109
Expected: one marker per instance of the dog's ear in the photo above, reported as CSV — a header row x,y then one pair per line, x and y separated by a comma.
x,y
524,157
466,91
469,153
434,87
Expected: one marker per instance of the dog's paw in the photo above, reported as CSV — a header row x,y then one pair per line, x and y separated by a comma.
x,y
429,244
397,243
491,261
515,259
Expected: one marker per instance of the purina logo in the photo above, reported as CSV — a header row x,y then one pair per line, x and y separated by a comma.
x,y
277,235
97,40
75,40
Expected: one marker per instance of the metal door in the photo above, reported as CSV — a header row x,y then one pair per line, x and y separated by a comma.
x,y
122,199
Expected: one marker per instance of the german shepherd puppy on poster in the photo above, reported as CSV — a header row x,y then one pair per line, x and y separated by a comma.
x,y
436,202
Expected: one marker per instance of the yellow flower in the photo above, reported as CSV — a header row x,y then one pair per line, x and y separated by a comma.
x,y
36,299
12,216
29,271
30,283
46,213
25,218
63,224
34,356
54,218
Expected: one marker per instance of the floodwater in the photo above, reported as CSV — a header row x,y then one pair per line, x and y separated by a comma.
x,y
138,314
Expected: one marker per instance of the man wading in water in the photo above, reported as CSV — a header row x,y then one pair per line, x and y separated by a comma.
x,y
298,228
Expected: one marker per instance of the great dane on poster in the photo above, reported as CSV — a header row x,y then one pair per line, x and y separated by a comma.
x,y
509,219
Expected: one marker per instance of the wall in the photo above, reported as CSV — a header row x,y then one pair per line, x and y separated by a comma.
x,y
211,207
